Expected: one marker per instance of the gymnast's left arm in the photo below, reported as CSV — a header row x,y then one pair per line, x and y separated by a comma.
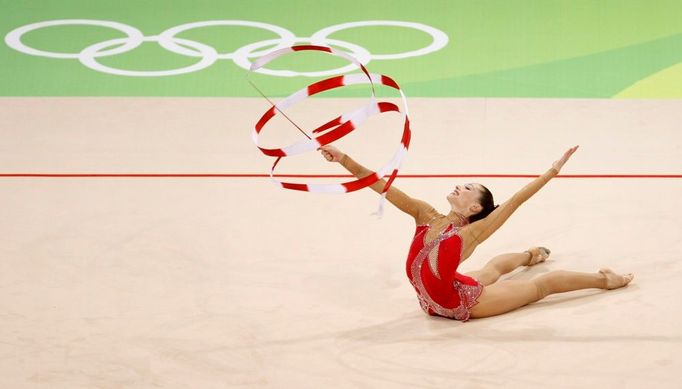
x,y
484,228
420,210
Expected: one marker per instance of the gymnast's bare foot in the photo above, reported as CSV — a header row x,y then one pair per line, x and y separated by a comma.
x,y
615,281
537,255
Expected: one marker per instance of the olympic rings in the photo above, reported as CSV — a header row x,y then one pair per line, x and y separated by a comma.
x,y
87,58
286,37
168,40
440,39
13,39
241,59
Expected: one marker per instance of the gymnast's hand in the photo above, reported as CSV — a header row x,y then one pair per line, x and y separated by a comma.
x,y
331,153
557,165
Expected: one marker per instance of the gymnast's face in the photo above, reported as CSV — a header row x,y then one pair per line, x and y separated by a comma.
x,y
465,198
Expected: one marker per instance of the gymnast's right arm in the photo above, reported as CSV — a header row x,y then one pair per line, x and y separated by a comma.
x,y
420,210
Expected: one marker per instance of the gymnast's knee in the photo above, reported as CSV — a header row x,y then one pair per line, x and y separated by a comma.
x,y
541,288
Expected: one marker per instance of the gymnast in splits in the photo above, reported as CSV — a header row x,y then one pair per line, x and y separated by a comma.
x,y
442,242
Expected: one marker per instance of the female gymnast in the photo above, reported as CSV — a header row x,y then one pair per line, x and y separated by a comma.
x,y
442,242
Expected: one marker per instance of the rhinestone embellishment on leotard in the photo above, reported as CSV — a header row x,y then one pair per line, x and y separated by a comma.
x,y
433,260
468,293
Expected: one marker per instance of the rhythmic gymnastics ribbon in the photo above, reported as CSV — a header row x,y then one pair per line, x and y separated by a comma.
x,y
336,128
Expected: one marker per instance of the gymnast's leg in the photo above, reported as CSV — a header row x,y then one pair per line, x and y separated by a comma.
x,y
505,296
505,263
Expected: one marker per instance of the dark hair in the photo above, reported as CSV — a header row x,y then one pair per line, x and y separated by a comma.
x,y
488,204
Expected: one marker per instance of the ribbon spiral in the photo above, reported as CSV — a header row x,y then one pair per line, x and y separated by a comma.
x,y
338,127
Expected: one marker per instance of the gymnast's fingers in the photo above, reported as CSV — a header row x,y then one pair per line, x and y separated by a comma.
x,y
326,154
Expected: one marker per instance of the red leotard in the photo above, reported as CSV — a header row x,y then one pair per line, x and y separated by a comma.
x,y
432,266
432,270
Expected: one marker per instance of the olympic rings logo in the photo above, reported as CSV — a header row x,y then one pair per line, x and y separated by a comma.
x,y
208,55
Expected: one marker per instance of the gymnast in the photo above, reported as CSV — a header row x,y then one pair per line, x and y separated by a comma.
x,y
442,242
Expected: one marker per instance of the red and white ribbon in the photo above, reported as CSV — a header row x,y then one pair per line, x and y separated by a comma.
x,y
338,127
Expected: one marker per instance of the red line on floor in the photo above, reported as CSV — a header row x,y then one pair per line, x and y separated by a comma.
x,y
249,175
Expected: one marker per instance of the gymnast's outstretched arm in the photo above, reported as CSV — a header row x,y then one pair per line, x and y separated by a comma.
x,y
420,210
484,228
